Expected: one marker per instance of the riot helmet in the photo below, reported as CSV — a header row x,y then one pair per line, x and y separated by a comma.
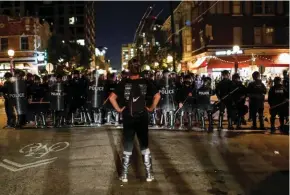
x,y
7,75
134,66
187,80
277,81
236,77
207,81
256,75
225,74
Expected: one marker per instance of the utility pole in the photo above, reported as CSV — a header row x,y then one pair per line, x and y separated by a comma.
x,y
173,34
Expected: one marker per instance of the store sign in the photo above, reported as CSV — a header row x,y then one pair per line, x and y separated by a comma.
x,y
228,52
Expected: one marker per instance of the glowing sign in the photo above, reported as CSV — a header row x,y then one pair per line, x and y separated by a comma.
x,y
228,52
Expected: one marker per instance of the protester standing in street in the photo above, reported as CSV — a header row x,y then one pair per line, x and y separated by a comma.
x,y
133,92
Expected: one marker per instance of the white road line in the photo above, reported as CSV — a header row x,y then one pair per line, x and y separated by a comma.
x,y
28,164
23,168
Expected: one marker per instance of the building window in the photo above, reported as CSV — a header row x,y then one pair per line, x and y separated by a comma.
x,y
220,7
4,44
236,9
263,7
24,43
237,35
257,35
269,35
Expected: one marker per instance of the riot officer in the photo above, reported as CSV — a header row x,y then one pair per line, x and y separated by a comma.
x,y
186,100
286,86
256,91
168,99
109,88
6,89
57,101
239,98
96,97
78,91
203,95
19,95
36,96
223,89
277,99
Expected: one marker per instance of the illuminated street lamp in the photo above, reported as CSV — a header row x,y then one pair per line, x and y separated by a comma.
x,y
169,59
11,53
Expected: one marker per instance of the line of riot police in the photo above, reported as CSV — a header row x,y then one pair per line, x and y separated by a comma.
x,y
83,100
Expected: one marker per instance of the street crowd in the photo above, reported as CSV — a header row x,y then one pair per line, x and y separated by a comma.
x,y
185,99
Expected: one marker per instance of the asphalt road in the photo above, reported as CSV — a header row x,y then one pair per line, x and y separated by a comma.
x,y
87,161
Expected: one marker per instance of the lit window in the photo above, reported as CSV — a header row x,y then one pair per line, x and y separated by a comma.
x,y
81,41
236,7
72,20
269,35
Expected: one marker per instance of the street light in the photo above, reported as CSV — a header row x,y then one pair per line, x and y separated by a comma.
x,y
236,49
11,53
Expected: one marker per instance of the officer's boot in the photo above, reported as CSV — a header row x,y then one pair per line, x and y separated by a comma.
x,y
54,119
254,119
165,119
230,124
147,160
281,120
239,123
171,119
220,125
202,122
36,120
154,118
117,119
60,121
88,115
261,120
190,120
43,121
100,117
125,167
272,121
109,117
72,119
210,127
181,126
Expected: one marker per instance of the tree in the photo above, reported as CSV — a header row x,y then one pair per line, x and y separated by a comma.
x,y
60,53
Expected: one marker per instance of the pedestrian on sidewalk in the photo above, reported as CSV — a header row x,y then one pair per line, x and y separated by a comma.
x,y
132,93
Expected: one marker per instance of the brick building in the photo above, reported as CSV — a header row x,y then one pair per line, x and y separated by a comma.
x,y
260,29
27,37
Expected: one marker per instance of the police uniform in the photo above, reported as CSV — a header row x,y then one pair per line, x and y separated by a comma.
x,y
276,97
256,91
223,89
203,95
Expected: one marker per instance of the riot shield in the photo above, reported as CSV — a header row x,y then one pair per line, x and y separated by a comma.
x,y
18,95
167,92
57,97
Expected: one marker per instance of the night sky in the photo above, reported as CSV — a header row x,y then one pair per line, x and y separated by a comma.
x,y
116,23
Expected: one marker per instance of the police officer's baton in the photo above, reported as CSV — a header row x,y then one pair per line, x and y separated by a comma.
x,y
277,105
181,106
225,97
